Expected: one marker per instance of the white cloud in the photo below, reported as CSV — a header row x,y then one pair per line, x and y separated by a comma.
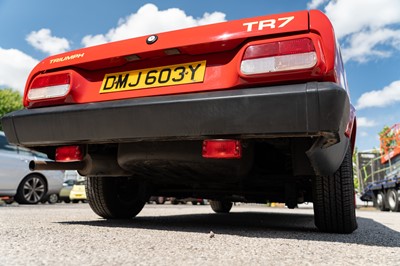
x,y
45,42
148,20
363,46
351,16
380,98
367,29
365,122
15,67
315,4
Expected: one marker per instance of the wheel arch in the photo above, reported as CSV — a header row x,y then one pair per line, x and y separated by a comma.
x,y
39,174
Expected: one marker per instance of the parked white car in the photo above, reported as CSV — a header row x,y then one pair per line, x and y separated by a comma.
x,y
26,186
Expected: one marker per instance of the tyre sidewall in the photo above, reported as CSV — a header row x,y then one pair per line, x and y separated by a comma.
x,y
393,195
334,199
20,197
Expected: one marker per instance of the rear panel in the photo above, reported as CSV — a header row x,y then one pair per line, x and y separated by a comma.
x,y
191,60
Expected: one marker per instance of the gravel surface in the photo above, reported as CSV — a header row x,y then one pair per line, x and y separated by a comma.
x,y
71,234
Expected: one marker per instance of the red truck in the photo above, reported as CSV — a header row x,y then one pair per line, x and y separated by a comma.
x,y
252,110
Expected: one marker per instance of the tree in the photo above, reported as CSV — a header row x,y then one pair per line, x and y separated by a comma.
x,y
10,100
355,170
387,138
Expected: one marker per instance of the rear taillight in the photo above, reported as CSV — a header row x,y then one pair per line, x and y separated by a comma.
x,y
49,86
69,154
279,56
222,149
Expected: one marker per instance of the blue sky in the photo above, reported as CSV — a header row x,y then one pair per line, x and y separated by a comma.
x,y
368,30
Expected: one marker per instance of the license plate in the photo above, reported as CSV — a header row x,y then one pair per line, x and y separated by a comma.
x,y
154,77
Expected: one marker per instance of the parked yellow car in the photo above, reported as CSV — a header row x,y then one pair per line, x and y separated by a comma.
x,y
66,190
78,192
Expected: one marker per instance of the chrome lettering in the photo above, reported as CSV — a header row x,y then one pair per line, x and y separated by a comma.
x,y
286,21
66,58
267,23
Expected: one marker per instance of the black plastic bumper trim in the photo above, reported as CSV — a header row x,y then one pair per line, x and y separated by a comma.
x,y
305,109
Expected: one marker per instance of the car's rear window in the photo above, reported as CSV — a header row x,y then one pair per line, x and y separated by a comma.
x,y
5,146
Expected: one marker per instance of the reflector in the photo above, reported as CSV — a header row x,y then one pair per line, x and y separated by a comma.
x,y
69,154
222,149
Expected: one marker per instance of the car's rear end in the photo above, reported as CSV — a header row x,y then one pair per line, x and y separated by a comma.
x,y
248,110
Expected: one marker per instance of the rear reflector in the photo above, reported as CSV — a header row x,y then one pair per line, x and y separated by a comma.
x,y
279,56
69,154
51,86
222,149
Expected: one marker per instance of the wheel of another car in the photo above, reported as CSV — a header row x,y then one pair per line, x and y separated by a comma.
x,y
393,200
380,202
116,197
334,201
67,200
174,201
221,206
53,198
31,190
160,200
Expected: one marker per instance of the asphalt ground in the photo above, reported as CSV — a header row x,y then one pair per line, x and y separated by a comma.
x,y
71,234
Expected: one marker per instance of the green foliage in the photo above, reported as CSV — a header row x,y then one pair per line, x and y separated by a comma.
x,y
10,100
387,141
355,170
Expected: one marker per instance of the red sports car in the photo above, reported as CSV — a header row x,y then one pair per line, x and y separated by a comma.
x,y
251,110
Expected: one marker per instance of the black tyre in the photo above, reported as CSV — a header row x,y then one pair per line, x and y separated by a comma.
x,y
52,199
334,201
67,200
381,202
393,200
221,206
160,200
31,190
174,201
116,197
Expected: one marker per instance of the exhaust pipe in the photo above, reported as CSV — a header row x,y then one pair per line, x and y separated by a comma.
x,y
49,165
97,165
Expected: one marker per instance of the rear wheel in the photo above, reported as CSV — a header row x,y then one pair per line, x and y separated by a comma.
x,y
334,201
380,202
116,197
32,190
393,200
221,206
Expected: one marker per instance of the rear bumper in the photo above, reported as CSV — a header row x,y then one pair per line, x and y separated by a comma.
x,y
289,110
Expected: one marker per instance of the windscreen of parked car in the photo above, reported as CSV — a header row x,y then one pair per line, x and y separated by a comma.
x,y
5,146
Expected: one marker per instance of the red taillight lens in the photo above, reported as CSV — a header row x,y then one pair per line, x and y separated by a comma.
x,y
49,86
222,149
296,46
69,154
51,80
279,56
